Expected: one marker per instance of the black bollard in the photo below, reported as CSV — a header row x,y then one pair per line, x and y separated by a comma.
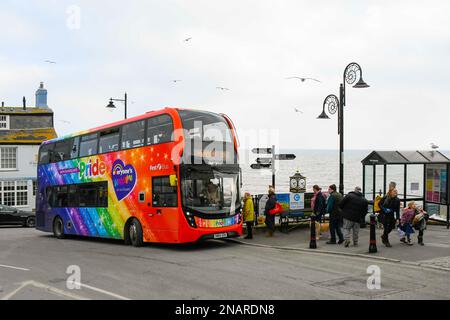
x,y
373,239
312,241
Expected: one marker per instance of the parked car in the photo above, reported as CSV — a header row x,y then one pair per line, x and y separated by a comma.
x,y
13,216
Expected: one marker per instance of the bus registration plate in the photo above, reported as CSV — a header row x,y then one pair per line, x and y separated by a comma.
x,y
220,235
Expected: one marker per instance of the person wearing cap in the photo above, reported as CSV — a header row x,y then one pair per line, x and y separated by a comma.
x,y
354,206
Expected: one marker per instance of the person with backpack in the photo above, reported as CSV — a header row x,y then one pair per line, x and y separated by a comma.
x,y
270,218
334,200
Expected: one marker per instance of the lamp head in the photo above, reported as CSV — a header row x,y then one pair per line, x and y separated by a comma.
x,y
361,84
111,105
323,115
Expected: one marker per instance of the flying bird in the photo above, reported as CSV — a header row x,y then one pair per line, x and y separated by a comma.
x,y
303,79
433,146
49,61
298,111
175,81
187,39
222,88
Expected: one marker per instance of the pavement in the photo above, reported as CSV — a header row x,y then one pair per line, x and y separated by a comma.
x,y
436,251
35,265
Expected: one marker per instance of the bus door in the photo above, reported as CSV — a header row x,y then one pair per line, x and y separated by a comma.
x,y
163,215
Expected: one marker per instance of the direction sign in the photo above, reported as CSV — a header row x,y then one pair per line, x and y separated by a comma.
x,y
264,160
261,166
285,157
262,150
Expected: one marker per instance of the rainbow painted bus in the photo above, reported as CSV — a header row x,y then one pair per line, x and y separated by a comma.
x,y
168,176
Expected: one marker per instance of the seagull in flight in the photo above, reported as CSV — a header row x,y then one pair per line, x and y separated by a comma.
x,y
298,111
49,61
433,146
175,81
187,39
303,79
222,88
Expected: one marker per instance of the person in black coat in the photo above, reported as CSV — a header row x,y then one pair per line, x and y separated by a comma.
x,y
390,214
354,206
270,218
320,204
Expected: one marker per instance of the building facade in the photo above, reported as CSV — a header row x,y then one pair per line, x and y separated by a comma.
x,y
22,130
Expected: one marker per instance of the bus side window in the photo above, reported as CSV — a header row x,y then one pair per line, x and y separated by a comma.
x,y
74,150
159,130
109,141
88,145
164,195
133,135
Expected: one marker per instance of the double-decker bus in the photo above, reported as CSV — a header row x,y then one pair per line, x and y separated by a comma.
x,y
168,176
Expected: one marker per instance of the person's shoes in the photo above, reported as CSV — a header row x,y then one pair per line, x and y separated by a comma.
x,y
341,241
403,240
355,244
331,242
346,243
420,241
421,244
387,244
383,240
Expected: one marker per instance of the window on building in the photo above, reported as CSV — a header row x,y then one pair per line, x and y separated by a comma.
x,y
4,122
88,145
14,193
8,158
164,195
133,135
22,193
159,129
109,141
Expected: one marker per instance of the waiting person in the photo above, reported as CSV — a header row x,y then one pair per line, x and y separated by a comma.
x,y
406,221
334,200
390,211
318,203
270,218
420,223
249,214
353,206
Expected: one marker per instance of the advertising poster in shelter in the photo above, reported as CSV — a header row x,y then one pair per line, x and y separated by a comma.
x,y
436,183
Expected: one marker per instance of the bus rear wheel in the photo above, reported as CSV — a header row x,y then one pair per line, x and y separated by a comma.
x,y
58,228
135,234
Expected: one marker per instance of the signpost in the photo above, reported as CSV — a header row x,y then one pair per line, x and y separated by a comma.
x,y
269,163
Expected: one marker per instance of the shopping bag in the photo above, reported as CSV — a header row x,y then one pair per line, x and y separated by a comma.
x,y
278,208
400,232
324,227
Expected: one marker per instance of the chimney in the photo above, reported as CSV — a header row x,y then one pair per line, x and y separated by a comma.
x,y
24,104
41,97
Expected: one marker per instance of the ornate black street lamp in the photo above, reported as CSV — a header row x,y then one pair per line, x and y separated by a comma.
x,y
334,104
112,106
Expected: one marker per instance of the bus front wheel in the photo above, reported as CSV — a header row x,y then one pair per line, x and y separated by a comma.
x,y
58,228
135,234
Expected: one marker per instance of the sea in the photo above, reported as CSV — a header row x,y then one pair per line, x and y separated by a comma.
x,y
321,167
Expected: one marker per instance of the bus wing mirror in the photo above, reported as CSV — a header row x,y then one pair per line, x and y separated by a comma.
x,y
173,180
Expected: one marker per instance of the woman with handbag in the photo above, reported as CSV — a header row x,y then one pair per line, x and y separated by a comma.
x,y
270,218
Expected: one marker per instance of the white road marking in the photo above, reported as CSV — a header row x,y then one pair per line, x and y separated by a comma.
x,y
101,291
46,287
12,267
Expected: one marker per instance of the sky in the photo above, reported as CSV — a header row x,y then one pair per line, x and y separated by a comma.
x,y
103,49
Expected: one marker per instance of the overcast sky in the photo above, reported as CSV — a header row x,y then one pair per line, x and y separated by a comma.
x,y
249,47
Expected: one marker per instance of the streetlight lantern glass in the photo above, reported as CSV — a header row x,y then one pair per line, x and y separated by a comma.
x,y
323,115
361,84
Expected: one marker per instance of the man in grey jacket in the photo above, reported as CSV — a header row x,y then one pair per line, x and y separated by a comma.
x,y
353,206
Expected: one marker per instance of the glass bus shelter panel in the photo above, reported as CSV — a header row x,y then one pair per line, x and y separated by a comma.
x,y
379,183
368,182
395,173
415,187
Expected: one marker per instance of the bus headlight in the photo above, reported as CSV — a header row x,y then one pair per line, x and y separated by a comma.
x,y
191,220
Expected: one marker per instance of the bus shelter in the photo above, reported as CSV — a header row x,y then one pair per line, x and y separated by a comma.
x,y
421,176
